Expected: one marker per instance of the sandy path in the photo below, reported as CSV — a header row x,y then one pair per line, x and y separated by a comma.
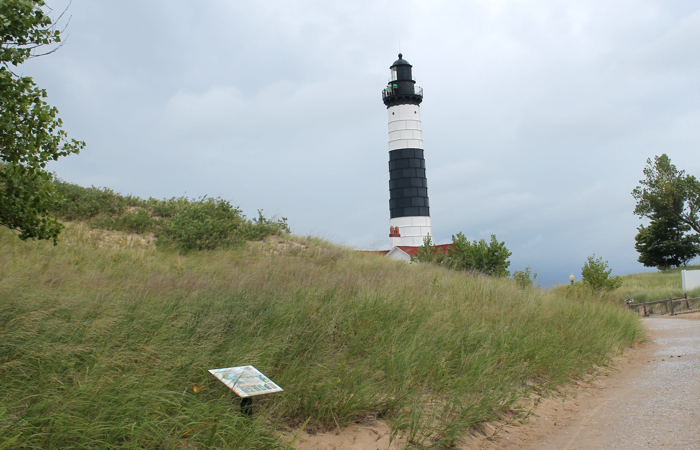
x,y
651,401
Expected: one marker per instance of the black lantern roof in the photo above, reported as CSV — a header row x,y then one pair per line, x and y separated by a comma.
x,y
401,62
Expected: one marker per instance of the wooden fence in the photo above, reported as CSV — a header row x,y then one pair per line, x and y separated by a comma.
x,y
671,306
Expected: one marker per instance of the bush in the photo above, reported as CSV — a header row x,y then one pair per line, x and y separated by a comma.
x,y
524,278
206,224
203,224
428,253
259,228
81,203
596,275
490,259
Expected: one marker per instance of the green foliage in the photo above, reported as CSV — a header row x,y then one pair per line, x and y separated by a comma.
x,y
428,253
84,204
260,227
31,133
667,192
108,347
664,243
204,224
596,275
524,278
490,259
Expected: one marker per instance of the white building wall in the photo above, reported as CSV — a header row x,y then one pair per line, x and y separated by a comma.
x,y
690,279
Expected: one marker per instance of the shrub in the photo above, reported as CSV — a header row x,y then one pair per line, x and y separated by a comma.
x,y
203,224
490,259
427,253
596,275
258,229
206,224
81,203
524,278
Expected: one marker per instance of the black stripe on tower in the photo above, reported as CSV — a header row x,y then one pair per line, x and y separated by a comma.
x,y
408,185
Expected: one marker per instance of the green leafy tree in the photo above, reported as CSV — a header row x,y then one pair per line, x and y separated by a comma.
x,y
596,275
31,132
667,192
489,258
665,244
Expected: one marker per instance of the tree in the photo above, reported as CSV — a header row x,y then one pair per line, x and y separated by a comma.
x,y
428,253
31,132
490,259
596,275
665,244
667,192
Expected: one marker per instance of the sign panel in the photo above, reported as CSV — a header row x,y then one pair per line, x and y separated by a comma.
x,y
246,381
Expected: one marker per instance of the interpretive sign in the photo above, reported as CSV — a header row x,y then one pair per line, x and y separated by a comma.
x,y
246,381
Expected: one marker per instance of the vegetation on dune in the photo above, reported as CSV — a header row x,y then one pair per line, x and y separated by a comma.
x,y
109,347
650,287
487,258
186,224
595,274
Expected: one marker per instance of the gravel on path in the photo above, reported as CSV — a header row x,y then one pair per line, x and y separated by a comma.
x,y
654,405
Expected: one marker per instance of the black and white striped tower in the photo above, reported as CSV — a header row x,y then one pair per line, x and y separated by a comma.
x,y
408,185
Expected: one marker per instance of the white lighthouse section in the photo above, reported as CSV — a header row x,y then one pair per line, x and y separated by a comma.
x,y
412,230
404,127
405,132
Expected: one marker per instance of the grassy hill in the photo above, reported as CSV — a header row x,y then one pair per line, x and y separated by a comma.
x,y
654,285
105,343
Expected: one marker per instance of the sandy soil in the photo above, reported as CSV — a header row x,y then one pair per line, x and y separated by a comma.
x,y
650,400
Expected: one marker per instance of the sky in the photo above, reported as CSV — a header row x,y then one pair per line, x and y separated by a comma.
x,y
538,116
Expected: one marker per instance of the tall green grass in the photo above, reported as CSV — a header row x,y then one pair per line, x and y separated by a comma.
x,y
109,347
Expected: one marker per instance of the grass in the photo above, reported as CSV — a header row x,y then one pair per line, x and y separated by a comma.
x,y
109,347
655,286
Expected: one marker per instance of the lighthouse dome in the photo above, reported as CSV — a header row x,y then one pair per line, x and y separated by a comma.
x,y
401,62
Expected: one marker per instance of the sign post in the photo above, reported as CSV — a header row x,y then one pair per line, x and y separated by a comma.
x,y
246,382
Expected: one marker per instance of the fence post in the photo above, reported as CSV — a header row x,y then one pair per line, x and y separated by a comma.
x,y
687,305
670,302
644,309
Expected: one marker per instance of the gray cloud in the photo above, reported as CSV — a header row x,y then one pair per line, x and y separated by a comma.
x,y
538,116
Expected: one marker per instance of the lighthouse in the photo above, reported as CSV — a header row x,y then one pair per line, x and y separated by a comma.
x,y
409,210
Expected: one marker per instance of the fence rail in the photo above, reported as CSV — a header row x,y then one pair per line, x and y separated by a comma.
x,y
684,305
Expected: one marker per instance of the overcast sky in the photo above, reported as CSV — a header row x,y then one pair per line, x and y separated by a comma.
x,y
538,116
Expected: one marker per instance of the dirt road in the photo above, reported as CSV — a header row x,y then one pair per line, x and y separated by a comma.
x,y
653,403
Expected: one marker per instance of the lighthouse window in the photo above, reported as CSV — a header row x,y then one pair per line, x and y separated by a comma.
x,y
393,74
